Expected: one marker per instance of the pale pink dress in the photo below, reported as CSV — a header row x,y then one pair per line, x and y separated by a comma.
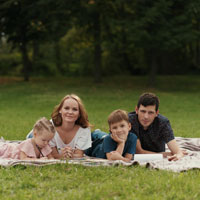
x,y
12,150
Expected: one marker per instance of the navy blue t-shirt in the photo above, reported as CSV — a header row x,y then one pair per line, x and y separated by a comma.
x,y
108,144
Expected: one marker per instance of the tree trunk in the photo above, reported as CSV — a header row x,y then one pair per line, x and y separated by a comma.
x,y
36,52
153,68
58,56
26,61
97,48
198,54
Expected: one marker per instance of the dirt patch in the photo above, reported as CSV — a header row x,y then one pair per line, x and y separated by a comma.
x,y
5,80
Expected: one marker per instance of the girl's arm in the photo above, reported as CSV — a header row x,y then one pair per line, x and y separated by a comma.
x,y
23,156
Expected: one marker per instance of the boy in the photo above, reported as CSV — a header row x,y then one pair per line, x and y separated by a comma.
x,y
120,144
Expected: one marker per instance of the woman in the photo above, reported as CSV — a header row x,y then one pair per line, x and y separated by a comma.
x,y
73,133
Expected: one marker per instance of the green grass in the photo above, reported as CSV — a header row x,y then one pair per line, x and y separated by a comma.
x,y
21,104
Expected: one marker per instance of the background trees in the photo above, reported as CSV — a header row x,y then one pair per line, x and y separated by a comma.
x,y
99,37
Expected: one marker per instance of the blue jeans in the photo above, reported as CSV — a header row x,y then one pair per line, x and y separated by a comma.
x,y
97,138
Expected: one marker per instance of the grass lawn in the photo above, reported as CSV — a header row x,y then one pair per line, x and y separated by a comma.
x,y
21,104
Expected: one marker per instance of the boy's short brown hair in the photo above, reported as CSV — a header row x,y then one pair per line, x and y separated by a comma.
x,y
117,116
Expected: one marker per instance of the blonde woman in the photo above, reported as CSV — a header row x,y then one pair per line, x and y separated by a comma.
x,y
72,127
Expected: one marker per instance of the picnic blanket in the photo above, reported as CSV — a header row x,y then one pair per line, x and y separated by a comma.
x,y
190,161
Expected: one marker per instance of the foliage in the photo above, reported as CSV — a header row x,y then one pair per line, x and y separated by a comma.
x,y
99,37
10,64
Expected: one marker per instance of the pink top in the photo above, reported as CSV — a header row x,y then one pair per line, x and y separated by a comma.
x,y
12,150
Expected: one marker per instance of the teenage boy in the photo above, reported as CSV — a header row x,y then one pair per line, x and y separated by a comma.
x,y
120,144
152,129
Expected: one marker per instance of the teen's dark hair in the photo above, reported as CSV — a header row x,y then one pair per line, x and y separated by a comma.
x,y
148,99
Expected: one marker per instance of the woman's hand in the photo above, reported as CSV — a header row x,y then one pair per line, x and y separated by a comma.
x,y
67,152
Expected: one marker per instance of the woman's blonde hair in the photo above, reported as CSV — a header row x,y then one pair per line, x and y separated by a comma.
x,y
82,119
43,124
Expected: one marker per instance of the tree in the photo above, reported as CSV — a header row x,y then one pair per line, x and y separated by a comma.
x,y
161,28
26,23
16,25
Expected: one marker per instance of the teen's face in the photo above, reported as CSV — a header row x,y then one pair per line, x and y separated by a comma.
x,y
43,138
70,110
121,129
146,115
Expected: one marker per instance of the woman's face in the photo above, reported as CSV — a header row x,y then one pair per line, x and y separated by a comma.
x,y
70,110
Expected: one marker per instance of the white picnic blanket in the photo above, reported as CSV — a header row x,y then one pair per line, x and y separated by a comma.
x,y
190,161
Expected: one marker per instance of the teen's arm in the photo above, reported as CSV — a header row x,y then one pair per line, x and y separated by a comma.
x,y
176,152
140,150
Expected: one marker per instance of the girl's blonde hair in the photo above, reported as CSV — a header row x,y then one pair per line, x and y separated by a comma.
x,y
43,124
83,117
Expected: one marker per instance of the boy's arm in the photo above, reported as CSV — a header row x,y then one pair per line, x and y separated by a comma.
x,y
120,147
114,155
120,143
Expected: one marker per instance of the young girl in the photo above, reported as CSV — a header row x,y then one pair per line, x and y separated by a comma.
x,y
36,147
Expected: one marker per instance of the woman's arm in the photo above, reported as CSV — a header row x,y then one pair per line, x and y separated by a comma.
x,y
67,152
78,153
50,156
56,154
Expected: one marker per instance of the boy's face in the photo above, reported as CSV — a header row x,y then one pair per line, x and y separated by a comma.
x,y
146,115
121,129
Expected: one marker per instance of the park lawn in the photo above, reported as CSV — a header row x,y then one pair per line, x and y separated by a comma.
x,y
21,104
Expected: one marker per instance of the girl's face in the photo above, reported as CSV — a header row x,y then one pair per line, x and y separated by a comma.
x,y
42,139
70,110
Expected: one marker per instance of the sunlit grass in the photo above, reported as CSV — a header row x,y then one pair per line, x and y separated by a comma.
x,y
21,104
